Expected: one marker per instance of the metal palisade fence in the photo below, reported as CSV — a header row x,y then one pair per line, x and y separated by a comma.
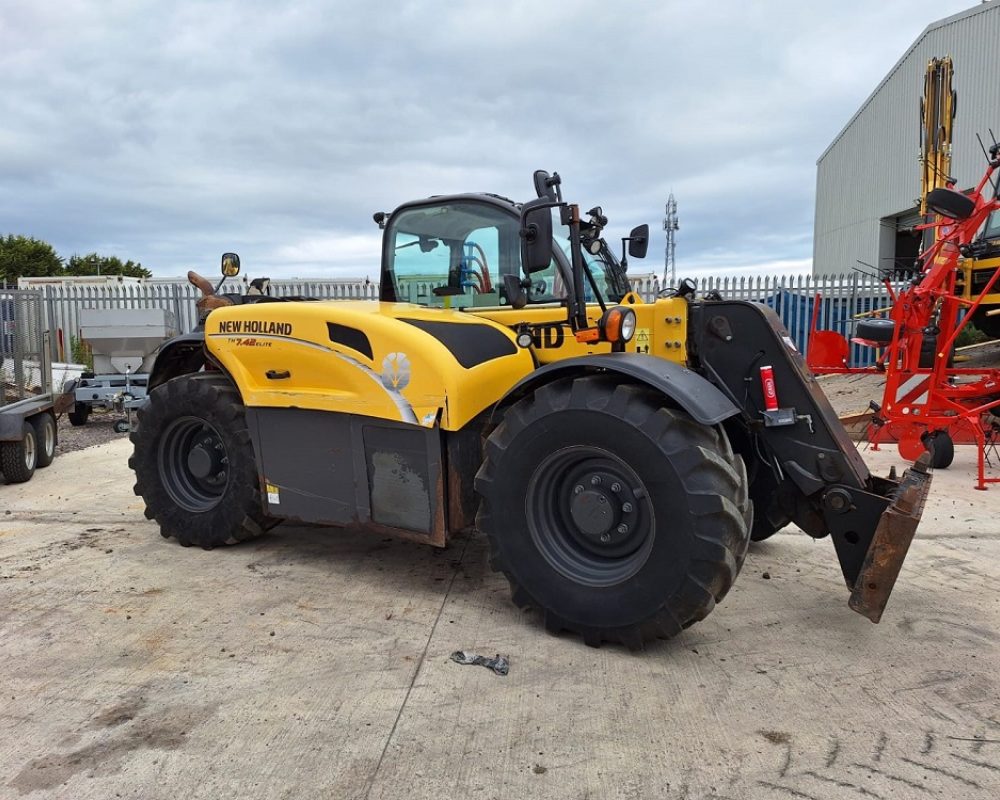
x,y
792,297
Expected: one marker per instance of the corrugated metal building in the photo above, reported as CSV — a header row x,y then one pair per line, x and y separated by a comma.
x,y
868,179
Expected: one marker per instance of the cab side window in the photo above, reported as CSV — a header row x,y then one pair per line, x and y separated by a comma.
x,y
456,254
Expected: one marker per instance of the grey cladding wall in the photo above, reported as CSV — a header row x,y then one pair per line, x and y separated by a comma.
x,y
871,170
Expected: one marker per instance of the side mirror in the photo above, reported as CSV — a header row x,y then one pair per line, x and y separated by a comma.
x,y
230,265
514,291
536,235
638,241
545,185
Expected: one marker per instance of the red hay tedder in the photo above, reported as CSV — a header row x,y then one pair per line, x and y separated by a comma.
x,y
929,404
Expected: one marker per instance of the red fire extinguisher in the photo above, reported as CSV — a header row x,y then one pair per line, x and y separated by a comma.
x,y
770,392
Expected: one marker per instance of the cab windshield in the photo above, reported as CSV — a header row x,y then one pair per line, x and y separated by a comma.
x,y
455,255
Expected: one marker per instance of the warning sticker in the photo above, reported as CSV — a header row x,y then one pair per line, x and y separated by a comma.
x,y
273,498
641,340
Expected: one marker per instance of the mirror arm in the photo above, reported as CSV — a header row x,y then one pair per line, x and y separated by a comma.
x,y
578,301
597,293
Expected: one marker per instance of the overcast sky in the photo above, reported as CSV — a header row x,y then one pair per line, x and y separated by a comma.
x,y
168,132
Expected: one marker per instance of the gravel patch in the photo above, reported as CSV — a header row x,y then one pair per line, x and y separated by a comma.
x,y
98,430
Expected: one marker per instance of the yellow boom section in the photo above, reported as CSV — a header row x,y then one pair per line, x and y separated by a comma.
x,y
937,112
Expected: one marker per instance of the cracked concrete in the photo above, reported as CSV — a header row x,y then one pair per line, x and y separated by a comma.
x,y
315,663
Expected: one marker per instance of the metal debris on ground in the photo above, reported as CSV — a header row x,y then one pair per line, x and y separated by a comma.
x,y
500,664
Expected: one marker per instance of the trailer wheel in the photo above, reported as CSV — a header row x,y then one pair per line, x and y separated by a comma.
x,y
620,519
79,415
950,203
45,437
941,447
194,463
875,330
19,459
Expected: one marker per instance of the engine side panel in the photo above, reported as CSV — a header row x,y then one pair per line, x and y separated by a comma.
x,y
393,361
345,470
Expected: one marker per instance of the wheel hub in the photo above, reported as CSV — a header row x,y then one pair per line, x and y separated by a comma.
x,y
204,460
592,513
193,463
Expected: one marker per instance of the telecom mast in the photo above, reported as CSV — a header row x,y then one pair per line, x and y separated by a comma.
x,y
670,226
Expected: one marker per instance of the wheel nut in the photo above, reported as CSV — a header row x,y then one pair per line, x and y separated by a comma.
x,y
616,487
627,507
577,489
595,481
605,537
623,528
602,499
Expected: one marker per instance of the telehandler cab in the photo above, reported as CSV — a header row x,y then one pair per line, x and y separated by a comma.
x,y
618,455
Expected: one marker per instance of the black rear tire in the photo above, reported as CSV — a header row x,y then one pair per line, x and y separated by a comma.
x,y
592,565
762,529
46,438
19,459
194,463
79,415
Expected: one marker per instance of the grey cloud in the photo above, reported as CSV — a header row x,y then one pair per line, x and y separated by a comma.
x,y
169,132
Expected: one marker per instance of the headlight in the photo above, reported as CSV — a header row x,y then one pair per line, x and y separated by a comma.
x,y
628,325
618,324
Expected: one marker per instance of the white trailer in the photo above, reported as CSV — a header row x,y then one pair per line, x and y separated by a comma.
x,y
27,418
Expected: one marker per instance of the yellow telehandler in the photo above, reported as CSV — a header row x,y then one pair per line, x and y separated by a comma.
x,y
618,454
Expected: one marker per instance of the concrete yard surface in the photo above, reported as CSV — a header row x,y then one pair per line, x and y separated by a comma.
x,y
314,663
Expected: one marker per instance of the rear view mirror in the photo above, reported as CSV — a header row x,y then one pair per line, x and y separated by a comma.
x,y
536,235
638,241
230,265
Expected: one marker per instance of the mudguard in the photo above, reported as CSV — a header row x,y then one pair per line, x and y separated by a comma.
x,y
178,356
693,393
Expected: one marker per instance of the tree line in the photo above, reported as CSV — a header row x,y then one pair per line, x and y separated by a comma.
x,y
28,257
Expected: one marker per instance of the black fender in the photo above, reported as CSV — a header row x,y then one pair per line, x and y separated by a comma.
x,y
689,390
178,356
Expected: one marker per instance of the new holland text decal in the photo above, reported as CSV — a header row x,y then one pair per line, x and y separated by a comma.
x,y
258,326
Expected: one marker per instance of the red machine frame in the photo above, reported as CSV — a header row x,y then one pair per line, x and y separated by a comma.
x,y
918,402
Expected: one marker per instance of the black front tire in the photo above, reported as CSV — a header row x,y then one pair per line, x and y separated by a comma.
x,y
194,463
18,460
557,476
46,438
